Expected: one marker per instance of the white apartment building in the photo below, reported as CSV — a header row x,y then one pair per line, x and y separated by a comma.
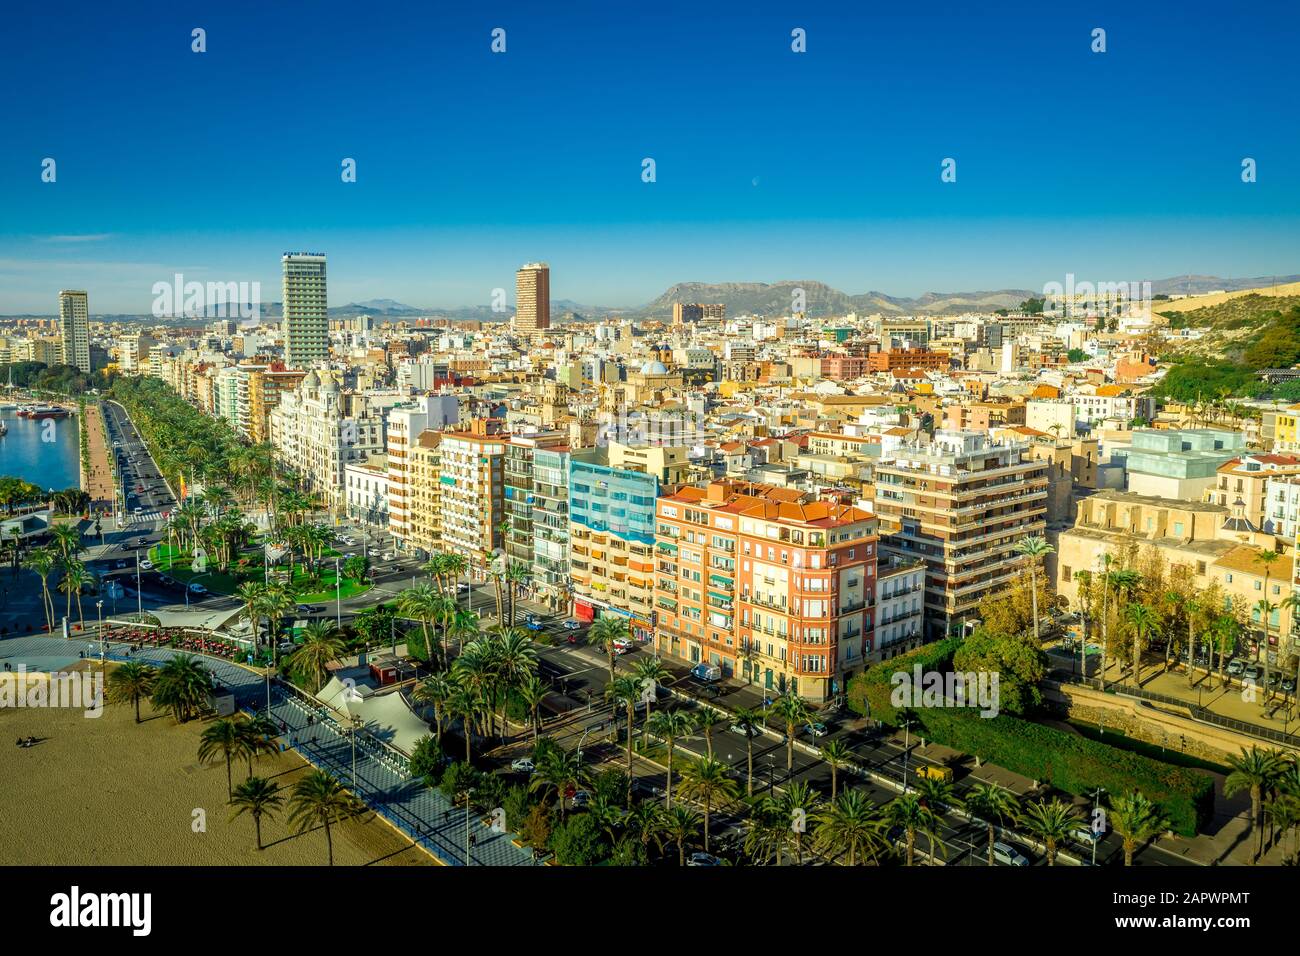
x,y
405,425
317,430
366,488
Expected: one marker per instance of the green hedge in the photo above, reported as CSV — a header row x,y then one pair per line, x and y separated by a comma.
x,y
868,693
1068,762
1076,764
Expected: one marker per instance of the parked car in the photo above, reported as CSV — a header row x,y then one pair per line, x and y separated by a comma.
x,y
745,731
580,799
1252,672
706,672
1236,666
703,859
624,644
817,729
523,765
1008,855
1288,684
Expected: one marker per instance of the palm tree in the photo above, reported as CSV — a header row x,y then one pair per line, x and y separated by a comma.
x,y
319,799
561,771
1050,821
1255,770
607,630
767,831
1265,608
1083,581
797,802
991,803
646,820
258,734
131,682
257,797
516,578
75,577
626,691
836,754
1141,622
669,725
66,540
42,561
1136,819
467,705
182,687
851,823
653,671
702,720
1032,549
421,603
708,782
222,738
532,692
680,825
453,567
793,710
912,816
252,594
1224,628
749,719
434,691
321,645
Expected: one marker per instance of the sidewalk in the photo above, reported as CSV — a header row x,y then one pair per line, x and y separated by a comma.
x,y
99,482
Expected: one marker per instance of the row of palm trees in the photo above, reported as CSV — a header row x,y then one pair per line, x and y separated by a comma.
x,y
1272,778
61,556
181,686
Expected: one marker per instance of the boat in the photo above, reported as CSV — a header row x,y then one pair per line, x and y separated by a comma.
x,y
43,411
4,429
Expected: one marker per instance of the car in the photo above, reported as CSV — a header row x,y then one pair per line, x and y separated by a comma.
x,y
1008,855
1085,835
137,510
534,625
308,608
571,625
706,672
1252,672
817,729
1288,684
462,588
196,588
580,798
390,555
624,644
523,765
644,786
931,771
711,690
1235,666
121,563
146,565
1274,679
745,731
374,552
703,859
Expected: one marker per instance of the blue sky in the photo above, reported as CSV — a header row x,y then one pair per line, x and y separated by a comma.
x,y
770,165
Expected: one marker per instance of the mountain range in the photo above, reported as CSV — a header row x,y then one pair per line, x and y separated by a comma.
x,y
774,299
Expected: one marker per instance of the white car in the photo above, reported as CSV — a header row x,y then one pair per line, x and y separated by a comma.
x,y
523,765
571,625
1008,855
390,555
703,859
146,565
623,645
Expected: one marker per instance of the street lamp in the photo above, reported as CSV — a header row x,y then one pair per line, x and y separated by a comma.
x,y
1096,837
907,748
338,595
99,606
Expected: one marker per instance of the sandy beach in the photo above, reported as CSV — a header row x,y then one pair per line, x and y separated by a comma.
x,y
107,791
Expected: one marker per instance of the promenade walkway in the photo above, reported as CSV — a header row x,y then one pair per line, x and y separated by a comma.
x,y
382,781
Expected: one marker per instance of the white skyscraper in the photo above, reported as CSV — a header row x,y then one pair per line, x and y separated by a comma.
x,y
306,309
74,317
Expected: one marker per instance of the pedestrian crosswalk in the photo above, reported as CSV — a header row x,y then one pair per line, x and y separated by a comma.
x,y
144,517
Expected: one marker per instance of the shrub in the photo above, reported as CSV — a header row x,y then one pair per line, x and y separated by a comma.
x,y
516,805
1076,764
428,761
579,842
868,693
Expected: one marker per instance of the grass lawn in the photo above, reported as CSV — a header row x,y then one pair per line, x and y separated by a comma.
x,y
173,561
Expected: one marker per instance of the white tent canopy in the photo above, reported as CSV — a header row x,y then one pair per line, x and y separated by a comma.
x,y
385,716
199,619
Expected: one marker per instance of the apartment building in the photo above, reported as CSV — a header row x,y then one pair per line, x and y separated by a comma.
x,y
550,517
698,312
266,385
473,491
533,298
519,498
1179,464
316,430
423,469
1242,486
74,323
306,308
961,503
406,423
767,583
611,534
366,492
900,607
887,360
